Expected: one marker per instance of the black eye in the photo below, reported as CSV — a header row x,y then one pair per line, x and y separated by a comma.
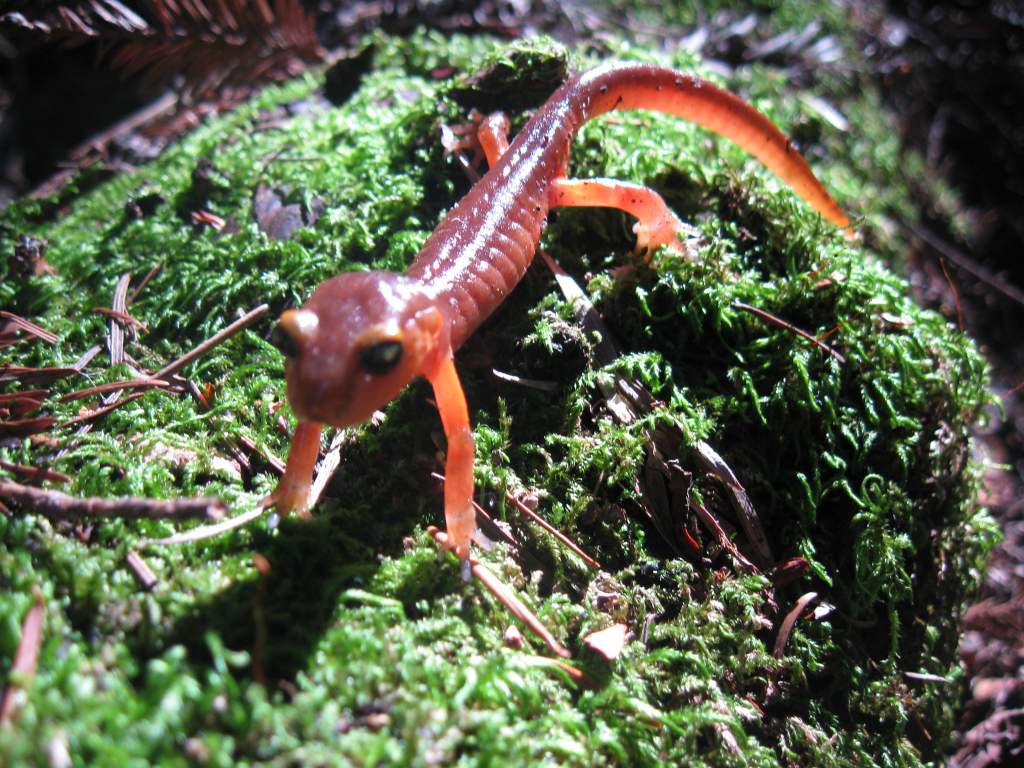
x,y
284,341
381,357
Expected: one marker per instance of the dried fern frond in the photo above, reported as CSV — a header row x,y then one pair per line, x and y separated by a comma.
x,y
76,22
211,43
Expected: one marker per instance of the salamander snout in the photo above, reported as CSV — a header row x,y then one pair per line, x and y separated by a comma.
x,y
360,338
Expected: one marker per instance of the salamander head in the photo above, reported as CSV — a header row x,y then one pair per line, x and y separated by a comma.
x,y
360,338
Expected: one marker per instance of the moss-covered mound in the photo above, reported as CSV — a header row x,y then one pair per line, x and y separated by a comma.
x,y
360,644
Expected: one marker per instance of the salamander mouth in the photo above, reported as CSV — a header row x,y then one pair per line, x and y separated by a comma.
x,y
342,402
310,400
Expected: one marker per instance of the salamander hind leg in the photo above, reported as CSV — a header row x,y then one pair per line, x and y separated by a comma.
x,y
492,133
488,135
656,224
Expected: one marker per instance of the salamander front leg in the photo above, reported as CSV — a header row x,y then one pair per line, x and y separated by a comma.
x,y
460,519
492,133
656,224
292,492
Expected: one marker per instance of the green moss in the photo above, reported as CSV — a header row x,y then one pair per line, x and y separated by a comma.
x,y
375,649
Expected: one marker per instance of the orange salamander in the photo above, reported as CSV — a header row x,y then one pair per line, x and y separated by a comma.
x,y
363,336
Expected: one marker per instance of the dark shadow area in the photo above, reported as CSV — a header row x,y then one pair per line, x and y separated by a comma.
x,y
953,71
358,522
55,99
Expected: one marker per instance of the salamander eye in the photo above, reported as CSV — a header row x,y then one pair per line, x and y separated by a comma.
x,y
296,329
382,357
281,338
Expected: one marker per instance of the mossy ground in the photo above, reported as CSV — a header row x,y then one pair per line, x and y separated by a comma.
x,y
375,650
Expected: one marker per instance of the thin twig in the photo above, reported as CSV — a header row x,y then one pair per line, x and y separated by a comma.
x,y
802,604
100,389
202,395
927,677
55,505
33,474
484,520
243,322
27,374
26,657
208,531
328,465
17,407
144,282
209,219
29,327
123,317
116,329
86,358
552,530
966,263
543,662
649,619
25,394
54,183
275,463
147,579
103,411
507,597
483,516
831,332
26,427
543,386
715,465
1014,389
956,294
98,141
721,537
605,350
778,321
